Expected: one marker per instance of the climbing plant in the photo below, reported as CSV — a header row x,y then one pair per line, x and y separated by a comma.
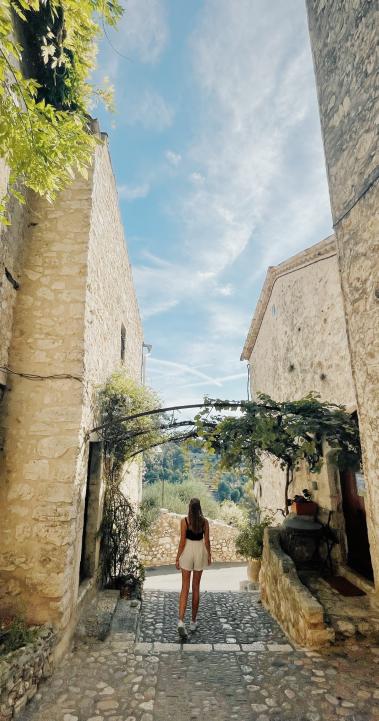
x,y
288,431
122,524
47,51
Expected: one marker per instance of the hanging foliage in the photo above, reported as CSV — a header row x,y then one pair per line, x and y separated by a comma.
x,y
122,523
47,50
288,431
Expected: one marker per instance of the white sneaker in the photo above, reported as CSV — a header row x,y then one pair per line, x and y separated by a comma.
x,y
193,626
182,631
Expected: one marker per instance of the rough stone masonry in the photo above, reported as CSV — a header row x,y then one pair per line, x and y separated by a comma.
x,y
161,547
64,327
343,36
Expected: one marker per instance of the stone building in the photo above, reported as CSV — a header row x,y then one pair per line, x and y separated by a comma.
x,y
344,44
297,343
69,318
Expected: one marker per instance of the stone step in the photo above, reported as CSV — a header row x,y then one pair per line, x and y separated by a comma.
x,y
96,617
349,628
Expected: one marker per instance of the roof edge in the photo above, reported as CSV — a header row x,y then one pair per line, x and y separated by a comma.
x,y
320,251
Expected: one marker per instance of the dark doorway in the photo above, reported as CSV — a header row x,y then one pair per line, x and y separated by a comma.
x,y
92,513
358,547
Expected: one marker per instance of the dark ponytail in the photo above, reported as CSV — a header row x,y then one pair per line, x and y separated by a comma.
x,y
195,516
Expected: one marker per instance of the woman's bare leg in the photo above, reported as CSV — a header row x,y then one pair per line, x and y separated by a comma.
x,y
186,580
196,578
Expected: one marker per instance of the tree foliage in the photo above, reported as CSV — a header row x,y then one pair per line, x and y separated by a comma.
x,y
291,432
178,462
288,431
122,524
119,398
47,50
249,542
175,497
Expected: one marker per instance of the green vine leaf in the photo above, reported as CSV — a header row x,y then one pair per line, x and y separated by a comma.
x,y
45,94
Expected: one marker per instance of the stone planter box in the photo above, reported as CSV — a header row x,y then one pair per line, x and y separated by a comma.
x,y
288,600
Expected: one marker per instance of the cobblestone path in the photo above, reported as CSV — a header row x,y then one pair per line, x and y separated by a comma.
x,y
237,666
224,618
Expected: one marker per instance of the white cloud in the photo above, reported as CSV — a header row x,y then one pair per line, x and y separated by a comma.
x,y
173,158
225,290
149,110
158,308
217,381
197,178
142,33
259,192
254,70
178,381
183,370
133,192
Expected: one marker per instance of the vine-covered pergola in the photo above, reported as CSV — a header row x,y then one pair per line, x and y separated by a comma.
x,y
242,433
132,421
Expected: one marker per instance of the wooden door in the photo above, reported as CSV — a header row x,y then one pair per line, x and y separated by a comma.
x,y
354,511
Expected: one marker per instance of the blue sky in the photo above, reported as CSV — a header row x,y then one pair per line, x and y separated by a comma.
x,y
218,158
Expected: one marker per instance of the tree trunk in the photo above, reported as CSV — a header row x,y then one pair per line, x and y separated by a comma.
x,y
289,479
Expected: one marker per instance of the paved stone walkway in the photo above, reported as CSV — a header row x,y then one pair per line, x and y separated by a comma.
x,y
236,667
225,618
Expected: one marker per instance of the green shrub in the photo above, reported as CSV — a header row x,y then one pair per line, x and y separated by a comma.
x,y
232,514
16,635
177,496
148,513
249,542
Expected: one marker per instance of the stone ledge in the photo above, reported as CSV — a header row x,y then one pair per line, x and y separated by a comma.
x,y
288,600
251,648
162,546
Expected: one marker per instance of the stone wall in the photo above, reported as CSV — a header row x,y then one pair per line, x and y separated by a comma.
x,y
164,536
287,599
297,343
344,45
75,292
11,243
111,300
22,671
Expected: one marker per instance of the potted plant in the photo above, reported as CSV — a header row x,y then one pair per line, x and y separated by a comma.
x,y
303,505
249,543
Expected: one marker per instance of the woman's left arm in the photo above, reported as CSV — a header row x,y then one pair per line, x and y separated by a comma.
x,y
182,542
207,541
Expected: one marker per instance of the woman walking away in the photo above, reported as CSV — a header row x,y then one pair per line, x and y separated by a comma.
x,y
194,554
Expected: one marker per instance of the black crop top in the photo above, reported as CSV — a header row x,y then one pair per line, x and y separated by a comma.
x,y
191,535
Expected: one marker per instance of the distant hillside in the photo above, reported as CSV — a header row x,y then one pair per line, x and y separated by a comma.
x,y
178,462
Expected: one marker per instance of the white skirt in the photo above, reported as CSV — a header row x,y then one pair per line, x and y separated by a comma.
x,y
194,556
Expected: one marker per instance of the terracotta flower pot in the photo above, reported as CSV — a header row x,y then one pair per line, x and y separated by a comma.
x,y
253,568
307,508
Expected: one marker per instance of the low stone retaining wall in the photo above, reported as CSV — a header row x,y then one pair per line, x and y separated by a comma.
x,y
22,671
162,545
287,599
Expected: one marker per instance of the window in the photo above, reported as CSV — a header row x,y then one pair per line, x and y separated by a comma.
x,y
123,339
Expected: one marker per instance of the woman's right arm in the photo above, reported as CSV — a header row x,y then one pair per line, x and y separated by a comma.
x,y
182,542
207,542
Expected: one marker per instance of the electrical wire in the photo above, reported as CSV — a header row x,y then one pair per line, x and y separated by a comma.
x,y
36,377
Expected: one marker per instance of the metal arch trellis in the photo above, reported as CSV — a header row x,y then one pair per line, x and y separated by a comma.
x,y
155,411
167,426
